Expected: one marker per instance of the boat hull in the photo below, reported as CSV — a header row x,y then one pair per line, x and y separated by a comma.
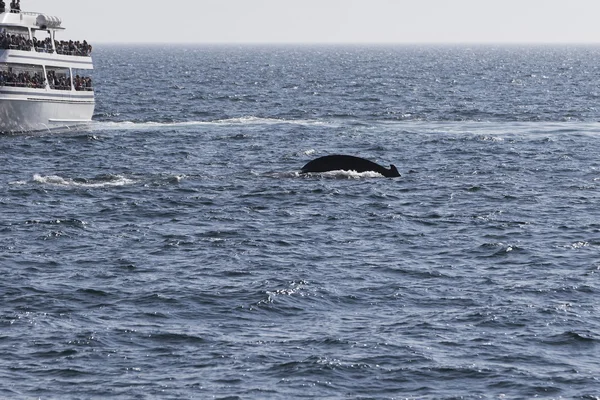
x,y
33,110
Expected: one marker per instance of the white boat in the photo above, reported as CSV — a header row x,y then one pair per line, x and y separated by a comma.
x,y
44,82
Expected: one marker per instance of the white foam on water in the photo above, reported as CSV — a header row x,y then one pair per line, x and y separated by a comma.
x,y
341,174
17,183
56,180
245,120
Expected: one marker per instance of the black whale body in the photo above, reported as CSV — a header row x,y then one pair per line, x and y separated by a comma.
x,y
339,162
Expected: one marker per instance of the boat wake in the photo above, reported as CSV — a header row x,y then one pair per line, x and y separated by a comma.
x,y
247,120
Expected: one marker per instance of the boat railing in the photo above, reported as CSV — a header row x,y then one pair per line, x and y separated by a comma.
x,y
23,85
31,13
60,87
43,50
78,52
61,51
30,85
40,85
17,47
20,42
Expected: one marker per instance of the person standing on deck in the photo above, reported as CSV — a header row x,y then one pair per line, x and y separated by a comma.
x,y
15,6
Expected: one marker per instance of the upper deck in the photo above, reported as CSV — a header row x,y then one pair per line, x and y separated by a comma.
x,y
25,19
19,43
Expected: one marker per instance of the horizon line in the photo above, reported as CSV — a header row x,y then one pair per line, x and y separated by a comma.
x,y
259,43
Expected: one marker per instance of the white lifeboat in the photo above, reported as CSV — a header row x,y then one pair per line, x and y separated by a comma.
x,y
48,22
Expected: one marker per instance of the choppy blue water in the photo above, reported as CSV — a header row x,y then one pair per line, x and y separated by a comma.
x,y
170,250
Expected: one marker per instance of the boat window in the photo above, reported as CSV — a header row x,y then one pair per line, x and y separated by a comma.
x,y
58,78
81,81
20,75
15,38
42,41
15,30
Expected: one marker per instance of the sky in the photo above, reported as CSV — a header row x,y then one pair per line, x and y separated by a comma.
x,y
325,21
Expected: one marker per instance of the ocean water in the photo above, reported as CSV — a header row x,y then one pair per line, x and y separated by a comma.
x,y
171,250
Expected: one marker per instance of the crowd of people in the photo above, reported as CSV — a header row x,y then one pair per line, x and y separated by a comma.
x,y
22,79
42,46
63,82
83,83
20,42
15,42
58,82
36,81
76,48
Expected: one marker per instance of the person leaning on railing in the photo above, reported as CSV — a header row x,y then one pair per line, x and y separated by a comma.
x,y
2,6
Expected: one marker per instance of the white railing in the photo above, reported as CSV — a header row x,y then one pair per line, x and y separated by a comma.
x,y
25,85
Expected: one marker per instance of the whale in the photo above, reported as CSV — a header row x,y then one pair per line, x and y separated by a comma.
x,y
340,162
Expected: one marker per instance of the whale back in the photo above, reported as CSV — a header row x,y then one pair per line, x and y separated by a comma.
x,y
339,162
